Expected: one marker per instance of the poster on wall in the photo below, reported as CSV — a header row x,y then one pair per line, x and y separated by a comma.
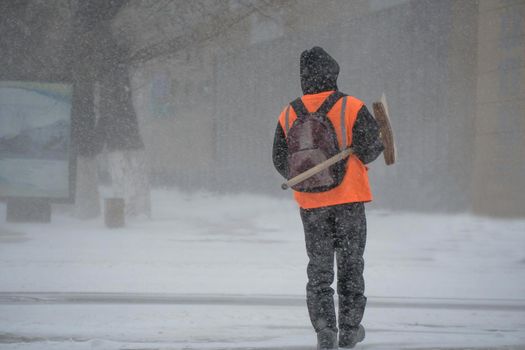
x,y
35,128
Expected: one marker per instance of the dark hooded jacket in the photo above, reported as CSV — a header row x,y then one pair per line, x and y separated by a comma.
x,y
318,72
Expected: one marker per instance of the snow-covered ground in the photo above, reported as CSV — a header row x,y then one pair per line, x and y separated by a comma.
x,y
221,272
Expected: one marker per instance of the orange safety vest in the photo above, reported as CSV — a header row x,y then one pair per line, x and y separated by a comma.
x,y
355,186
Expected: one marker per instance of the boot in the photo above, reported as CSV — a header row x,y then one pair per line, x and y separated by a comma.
x,y
348,339
327,339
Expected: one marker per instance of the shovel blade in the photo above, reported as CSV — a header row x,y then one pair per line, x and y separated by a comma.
x,y
381,114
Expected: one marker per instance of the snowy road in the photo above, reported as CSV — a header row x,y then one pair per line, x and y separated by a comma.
x,y
160,326
232,276
35,298
134,321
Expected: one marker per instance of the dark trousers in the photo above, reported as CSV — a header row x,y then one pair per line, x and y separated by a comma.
x,y
338,230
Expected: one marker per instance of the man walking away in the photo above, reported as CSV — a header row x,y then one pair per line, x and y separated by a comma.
x,y
333,217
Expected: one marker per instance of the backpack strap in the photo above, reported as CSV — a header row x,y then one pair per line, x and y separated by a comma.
x,y
299,107
330,102
343,123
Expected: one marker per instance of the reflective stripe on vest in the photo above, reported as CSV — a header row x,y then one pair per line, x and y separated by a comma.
x,y
343,124
287,120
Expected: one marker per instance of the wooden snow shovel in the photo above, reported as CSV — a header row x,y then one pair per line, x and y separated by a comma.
x,y
382,117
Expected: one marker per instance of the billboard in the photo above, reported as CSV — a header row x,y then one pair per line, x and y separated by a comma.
x,y
35,130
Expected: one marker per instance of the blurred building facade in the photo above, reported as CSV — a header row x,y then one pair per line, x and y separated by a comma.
x,y
499,140
210,78
453,73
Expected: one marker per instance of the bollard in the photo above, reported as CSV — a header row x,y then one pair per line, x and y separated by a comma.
x,y
114,214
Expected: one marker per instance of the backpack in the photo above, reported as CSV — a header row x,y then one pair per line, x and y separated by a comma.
x,y
311,140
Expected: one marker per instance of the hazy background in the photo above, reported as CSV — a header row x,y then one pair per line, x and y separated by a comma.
x,y
209,79
174,105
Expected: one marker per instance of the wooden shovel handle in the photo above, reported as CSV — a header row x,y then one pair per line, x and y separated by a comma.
x,y
319,167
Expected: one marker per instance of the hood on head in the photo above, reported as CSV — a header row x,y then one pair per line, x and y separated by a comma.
x,y
318,71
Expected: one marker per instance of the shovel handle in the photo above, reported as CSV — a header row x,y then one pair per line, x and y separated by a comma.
x,y
319,167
